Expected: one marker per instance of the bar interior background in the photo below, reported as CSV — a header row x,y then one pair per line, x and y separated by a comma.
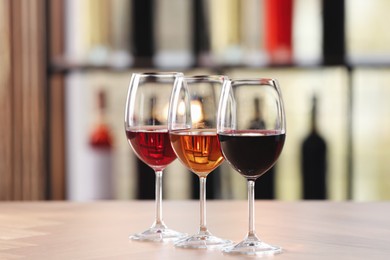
x,y
58,57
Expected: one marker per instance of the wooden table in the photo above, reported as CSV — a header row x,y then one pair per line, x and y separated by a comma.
x,y
100,230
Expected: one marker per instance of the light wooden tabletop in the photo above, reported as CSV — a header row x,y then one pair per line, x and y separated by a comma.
x,y
100,230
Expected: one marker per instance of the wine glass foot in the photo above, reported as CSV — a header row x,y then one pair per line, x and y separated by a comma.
x,y
202,241
252,247
158,234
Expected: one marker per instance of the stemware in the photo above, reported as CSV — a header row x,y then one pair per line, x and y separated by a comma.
x,y
147,132
251,150
192,131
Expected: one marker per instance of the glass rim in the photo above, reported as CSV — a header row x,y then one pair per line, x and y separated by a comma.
x,y
206,78
253,81
157,77
153,74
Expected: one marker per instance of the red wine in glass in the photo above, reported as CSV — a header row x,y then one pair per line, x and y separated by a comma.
x,y
252,152
147,133
152,146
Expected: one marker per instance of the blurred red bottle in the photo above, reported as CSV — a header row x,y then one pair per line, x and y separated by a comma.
x,y
101,137
99,180
278,31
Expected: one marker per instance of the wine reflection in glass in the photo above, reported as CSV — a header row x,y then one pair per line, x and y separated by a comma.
x,y
193,134
251,151
147,132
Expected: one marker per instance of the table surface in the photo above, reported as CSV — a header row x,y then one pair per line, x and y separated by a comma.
x,y
100,230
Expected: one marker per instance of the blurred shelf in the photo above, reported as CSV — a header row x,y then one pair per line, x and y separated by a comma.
x,y
63,65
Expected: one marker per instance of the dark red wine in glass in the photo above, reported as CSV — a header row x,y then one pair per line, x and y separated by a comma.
x,y
252,153
251,149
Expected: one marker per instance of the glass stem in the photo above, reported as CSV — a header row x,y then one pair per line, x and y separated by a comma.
x,y
251,205
202,199
158,194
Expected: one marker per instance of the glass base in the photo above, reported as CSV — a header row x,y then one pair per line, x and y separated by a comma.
x,y
158,234
202,240
252,246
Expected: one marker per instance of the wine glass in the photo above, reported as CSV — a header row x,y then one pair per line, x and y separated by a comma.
x,y
147,132
193,134
250,150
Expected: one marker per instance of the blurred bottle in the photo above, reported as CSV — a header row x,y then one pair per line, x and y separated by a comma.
x,y
201,34
225,31
252,33
173,34
77,34
142,14
100,178
333,46
98,30
120,34
265,186
314,161
307,32
278,31
100,135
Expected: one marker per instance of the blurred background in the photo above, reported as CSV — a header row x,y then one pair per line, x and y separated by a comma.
x,y
66,66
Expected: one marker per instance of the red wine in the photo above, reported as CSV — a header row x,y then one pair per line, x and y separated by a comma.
x,y
252,153
152,146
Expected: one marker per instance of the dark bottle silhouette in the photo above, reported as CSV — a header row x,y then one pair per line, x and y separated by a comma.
x,y
265,185
142,20
333,27
313,161
146,175
201,35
